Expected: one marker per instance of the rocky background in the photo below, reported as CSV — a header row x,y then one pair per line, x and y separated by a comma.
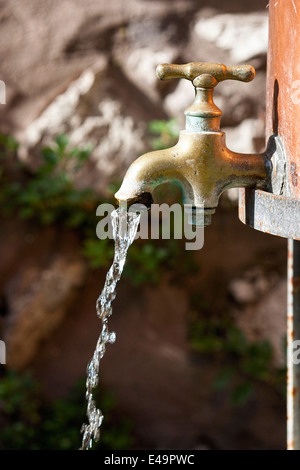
x,y
86,69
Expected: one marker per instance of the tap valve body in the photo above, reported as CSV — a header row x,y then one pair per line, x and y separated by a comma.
x,y
200,163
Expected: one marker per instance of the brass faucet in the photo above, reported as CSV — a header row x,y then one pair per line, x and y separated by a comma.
x,y
200,163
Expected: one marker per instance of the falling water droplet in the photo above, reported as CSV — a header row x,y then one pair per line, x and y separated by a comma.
x,y
125,225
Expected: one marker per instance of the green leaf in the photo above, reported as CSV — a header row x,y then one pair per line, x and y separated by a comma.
x,y
257,360
98,252
62,141
9,142
224,378
242,393
235,341
50,156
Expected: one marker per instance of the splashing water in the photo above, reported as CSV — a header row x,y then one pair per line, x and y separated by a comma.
x,y
125,225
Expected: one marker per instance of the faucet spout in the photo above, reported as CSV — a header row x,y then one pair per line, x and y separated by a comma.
x,y
201,165
149,171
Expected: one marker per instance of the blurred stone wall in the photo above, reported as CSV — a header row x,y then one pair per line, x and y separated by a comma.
x,y
87,68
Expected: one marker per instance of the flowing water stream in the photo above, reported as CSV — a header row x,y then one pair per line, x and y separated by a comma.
x,y
125,225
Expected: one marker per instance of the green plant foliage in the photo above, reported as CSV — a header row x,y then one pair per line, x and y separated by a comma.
x,y
242,393
8,144
166,133
99,252
249,362
48,196
146,263
32,423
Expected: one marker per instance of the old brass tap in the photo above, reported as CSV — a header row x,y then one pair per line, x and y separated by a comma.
x,y
200,163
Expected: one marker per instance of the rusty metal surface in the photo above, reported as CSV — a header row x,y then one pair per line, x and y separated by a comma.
x,y
279,213
270,213
293,334
283,75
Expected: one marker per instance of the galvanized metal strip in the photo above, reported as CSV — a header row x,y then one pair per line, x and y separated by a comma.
x,y
270,213
293,334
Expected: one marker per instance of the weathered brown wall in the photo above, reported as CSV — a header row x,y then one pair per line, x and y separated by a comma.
x,y
87,68
283,110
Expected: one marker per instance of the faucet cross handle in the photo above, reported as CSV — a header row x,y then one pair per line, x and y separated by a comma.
x,y
204,74
203,114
